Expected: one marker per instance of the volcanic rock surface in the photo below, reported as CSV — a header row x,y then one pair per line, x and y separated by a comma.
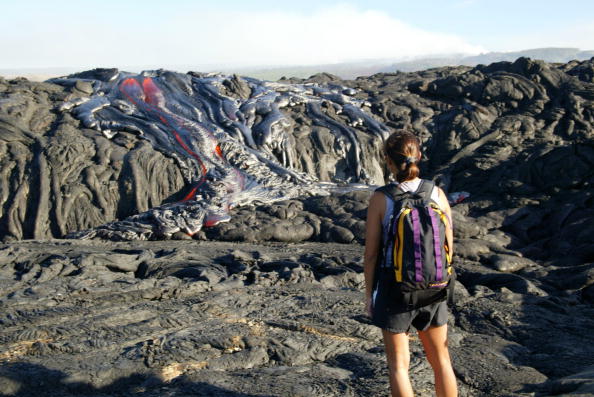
x,y
275,307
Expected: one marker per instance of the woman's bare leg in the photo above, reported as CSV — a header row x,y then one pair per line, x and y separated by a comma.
x,y
398,355
435,343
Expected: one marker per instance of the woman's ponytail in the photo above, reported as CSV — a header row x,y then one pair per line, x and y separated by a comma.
x,y
404,150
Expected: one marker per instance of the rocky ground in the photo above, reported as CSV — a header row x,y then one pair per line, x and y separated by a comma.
x,y
276,319
270,303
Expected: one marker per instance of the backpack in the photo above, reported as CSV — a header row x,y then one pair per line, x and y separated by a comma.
x,y
416,256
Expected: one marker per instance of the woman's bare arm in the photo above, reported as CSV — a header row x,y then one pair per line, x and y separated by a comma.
x,y
373,231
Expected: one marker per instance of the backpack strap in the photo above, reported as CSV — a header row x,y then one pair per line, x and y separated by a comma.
x,y
395,193
425,189
392,191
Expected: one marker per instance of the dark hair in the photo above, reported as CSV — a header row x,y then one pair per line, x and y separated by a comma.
x,y
404,150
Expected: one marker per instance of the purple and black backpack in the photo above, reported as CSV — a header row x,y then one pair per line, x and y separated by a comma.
x,y
421,265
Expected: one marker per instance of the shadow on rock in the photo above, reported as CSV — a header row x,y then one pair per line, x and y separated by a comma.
x,y
26,380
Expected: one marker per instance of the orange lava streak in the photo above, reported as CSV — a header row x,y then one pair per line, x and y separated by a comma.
x,y
154,96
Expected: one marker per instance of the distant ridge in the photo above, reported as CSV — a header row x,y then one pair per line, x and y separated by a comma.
x,y
355,69
346,70
549,54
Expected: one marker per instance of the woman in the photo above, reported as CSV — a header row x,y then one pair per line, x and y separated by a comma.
x,y
403,152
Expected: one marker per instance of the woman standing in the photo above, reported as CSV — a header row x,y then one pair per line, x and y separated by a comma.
x,y
403,152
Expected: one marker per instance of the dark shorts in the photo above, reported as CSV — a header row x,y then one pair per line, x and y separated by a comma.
x,y
389,311
435,315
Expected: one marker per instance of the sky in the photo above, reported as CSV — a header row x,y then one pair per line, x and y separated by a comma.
x,y
85,34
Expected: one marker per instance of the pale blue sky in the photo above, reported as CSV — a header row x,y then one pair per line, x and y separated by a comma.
x,y
168,33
